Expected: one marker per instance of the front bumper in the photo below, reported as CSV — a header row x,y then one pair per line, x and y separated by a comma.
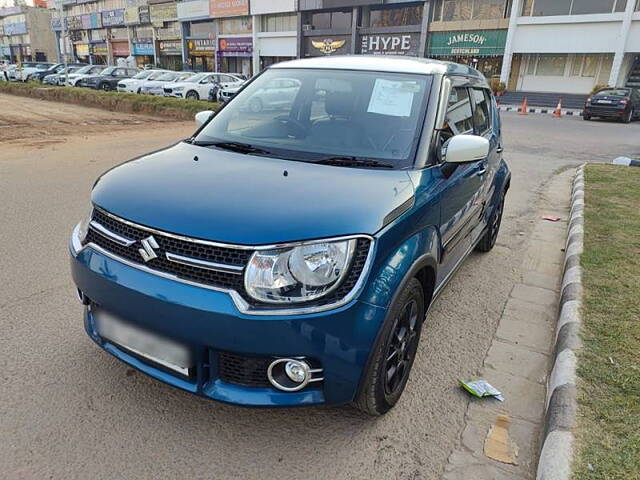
x,y
208,322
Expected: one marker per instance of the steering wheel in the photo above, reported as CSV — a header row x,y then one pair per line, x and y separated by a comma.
x,y
292,122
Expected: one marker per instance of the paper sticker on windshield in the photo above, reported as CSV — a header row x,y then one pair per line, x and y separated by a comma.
x,y
392,98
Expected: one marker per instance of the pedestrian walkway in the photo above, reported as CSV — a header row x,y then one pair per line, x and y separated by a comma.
x,y
519,359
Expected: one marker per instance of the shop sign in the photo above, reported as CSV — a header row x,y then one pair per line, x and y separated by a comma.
x,y
196,9
334,45
390,44
74,22
5,12
99,49
229,8
82,50
96,20
163,12
5,51
170,47
131,16
143,48
145,17
15,28
475,42
235,47
113,17
202,47
120,49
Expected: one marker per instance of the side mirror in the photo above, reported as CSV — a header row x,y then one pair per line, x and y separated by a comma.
x,y
203,117
465,148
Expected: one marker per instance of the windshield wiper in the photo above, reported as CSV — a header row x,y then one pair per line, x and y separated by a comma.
x,y
234,147
347,161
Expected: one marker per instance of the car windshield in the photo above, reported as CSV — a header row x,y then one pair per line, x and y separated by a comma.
x,y
107,71
329,116
614,92
166,77
142,75
183,76
86,69
196,78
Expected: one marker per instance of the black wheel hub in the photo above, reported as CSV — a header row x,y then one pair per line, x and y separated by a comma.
x,y
495,223
402,348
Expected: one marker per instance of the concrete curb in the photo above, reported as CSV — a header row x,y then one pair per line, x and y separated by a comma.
x,y
561,405
541,110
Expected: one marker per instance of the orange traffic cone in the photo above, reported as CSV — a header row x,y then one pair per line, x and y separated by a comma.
x,y
525,107
557,113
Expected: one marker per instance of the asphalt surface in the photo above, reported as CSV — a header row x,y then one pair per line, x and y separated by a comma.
x,y
69,410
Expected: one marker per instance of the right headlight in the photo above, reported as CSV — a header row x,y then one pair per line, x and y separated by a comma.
x,y
300,273
178,89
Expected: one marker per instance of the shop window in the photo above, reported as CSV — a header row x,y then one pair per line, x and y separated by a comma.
x,y
119,33
456,10
279,23
394,17
543,8
531,64
436,15
487,9
576,66
605,70
201,29
638,6
590,66
581,7
235,25
459,114
331,20
551,65
143,32
621,5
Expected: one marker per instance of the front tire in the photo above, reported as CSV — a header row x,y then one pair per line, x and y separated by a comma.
x,y
488,240
395,352
191,95
586,116
628,117
104,87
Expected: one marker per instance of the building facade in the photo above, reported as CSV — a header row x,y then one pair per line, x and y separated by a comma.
x,y
275,32
25,34
571,46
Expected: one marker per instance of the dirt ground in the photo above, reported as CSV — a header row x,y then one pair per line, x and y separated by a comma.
x,y
69,410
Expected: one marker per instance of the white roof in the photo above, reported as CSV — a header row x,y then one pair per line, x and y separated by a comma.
x,y
381,63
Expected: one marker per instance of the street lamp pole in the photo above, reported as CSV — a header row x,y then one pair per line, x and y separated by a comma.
x,y
63,25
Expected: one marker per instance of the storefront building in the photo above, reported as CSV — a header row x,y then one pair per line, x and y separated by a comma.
x,y
199,33
373,28
235,36
275,32
141,36
471,32
26,35
168,34
571,46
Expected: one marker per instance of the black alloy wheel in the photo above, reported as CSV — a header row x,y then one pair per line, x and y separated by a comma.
x,y
191,95
104,86
629,116
488,240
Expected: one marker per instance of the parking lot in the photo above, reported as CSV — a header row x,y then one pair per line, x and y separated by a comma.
x,y
69,410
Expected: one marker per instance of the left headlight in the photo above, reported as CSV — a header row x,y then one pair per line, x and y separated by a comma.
x,y
83,226
298,274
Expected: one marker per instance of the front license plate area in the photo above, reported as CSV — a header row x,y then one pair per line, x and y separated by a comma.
x,y
143,343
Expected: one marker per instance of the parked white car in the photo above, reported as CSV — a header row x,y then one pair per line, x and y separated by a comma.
x,y
88,71
198,86
133,84
156,86
28,68
58,78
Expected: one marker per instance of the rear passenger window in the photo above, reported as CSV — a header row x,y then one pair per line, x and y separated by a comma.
x,y
459,113
481,111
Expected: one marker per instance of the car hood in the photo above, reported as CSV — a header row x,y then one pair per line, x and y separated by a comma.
x,y
155,83
180,84
242,199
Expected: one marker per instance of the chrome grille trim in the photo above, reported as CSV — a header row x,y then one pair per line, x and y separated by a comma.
x,y
195,262
113,236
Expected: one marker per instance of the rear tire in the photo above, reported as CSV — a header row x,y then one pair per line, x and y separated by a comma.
x,y
394,354
586,116
628,117
488,240
104,87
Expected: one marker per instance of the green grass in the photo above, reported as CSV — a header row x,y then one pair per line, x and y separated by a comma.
x,y
608,430
114,101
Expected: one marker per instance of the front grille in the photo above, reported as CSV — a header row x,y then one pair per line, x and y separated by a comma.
x,y
168,90
229,257
247,371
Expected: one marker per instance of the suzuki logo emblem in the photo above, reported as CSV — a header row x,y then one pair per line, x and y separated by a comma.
x,y
147,252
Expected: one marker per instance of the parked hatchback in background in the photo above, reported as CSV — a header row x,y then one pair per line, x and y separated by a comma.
x,y
134,84
289,258
59,77
620,103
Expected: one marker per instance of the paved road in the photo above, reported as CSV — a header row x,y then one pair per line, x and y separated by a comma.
x,y
69,410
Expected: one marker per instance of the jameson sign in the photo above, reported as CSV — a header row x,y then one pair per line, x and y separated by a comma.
x,y
390,44
475,42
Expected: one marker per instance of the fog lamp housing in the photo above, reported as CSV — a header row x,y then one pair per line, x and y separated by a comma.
x,y
289,374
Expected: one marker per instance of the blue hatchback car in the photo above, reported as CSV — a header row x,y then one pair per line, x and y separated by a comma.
x,y
288,256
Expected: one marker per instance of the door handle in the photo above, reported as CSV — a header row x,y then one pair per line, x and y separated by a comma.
x,y
482,169
499,149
